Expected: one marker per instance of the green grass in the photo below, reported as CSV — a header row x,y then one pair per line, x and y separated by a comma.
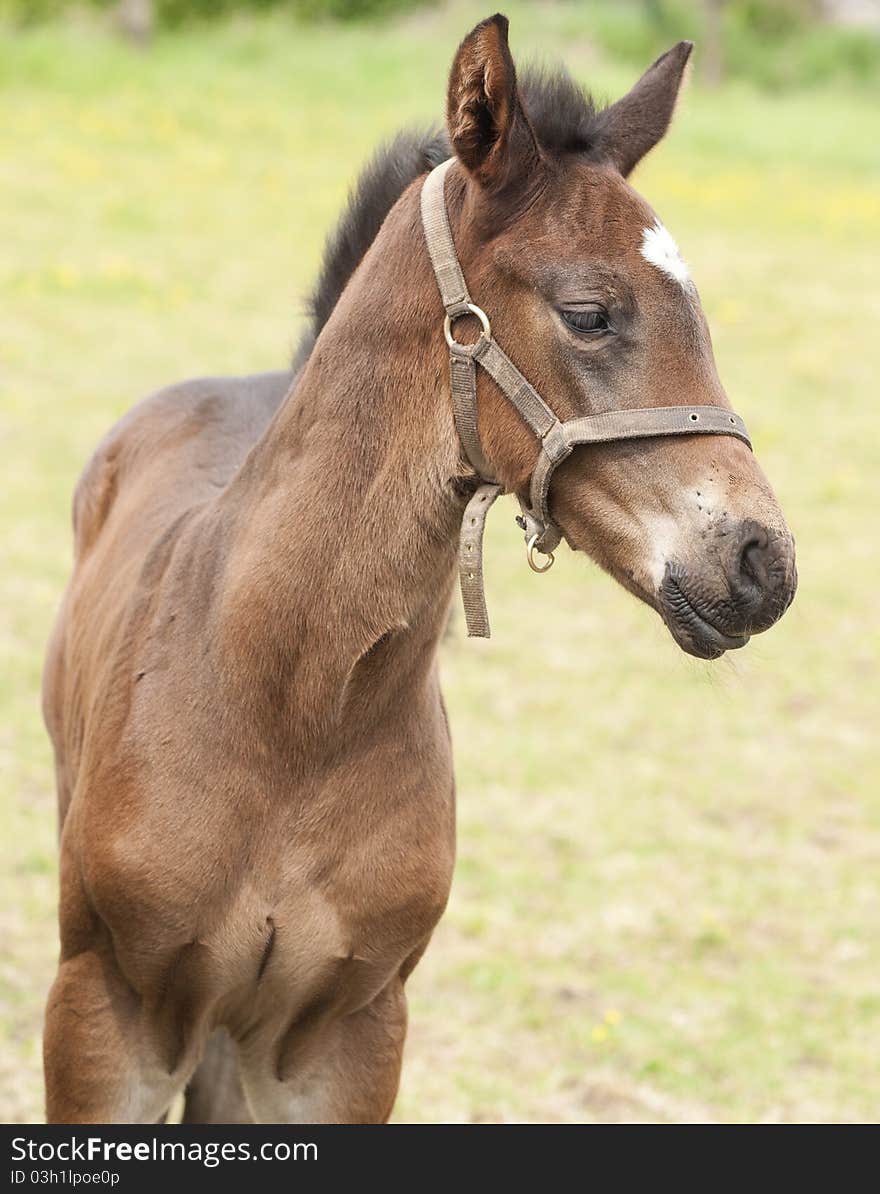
x,y
666,901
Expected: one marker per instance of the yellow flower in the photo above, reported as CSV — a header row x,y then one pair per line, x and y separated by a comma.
x,y
66,276
612,1016
599,1033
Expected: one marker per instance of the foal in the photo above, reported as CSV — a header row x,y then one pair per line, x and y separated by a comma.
x,y
253,760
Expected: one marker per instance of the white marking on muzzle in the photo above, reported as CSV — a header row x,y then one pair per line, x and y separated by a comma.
x,y
696,510
663,534
660,249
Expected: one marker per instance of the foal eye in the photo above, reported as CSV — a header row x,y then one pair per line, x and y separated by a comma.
x,y
586,321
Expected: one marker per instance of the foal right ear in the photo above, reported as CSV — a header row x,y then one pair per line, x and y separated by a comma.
x,y
630,128
487,124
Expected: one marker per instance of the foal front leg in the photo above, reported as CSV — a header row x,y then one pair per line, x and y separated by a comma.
x,y
346,1072
98,1060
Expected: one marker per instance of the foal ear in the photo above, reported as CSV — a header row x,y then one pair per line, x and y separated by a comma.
x,y
487,124
632,126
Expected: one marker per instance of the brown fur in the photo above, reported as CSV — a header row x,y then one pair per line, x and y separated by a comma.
x,y
253,759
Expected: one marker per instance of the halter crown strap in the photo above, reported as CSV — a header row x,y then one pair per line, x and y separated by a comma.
x,y
557,439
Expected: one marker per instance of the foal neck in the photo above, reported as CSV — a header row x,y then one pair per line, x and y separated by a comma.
x,y
345,515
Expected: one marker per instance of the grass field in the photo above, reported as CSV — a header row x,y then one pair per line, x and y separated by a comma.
x,y
666,905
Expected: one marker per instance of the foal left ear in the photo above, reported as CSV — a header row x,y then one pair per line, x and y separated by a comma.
x,y
487,124
634,125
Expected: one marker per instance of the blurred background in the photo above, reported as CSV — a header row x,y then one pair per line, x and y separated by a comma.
x,y
666,909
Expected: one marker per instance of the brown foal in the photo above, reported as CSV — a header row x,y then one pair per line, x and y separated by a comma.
x,y
253,759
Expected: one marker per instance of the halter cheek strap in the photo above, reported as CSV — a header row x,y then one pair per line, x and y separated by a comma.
x,y
556,439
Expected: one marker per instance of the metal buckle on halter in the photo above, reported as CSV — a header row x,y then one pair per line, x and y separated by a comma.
x,y
485,329
530,556
534,531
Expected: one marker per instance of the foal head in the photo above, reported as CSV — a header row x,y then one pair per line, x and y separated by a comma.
x,y
591,299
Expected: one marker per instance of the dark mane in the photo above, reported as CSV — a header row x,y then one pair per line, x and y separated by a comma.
x,y
565,121
563,115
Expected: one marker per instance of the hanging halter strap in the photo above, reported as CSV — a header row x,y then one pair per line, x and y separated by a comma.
x,y
557,439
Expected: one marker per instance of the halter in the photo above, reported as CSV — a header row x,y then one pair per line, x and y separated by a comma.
x,y
557,439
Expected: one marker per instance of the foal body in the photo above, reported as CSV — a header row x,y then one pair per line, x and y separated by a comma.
x,y
253,758
257,800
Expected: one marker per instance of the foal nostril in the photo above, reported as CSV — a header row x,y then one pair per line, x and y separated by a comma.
x,y
754,558
761,575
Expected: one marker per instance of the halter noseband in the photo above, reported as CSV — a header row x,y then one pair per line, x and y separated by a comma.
x,y
557,439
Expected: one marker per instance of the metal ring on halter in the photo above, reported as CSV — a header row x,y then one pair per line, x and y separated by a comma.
x,y
472,309
530,556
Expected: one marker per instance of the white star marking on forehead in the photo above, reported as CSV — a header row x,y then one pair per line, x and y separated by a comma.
x,y
660,249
